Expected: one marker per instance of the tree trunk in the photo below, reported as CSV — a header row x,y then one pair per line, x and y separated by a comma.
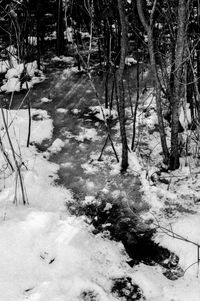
x,y
60,29
190,89
136,101
198,77
171,79
178,72
149,31
120,86
38,41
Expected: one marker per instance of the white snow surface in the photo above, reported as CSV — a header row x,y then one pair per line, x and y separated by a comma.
x,y
157,287
56,146
62,110
46,99
4,66
45,253
62,58
51,258
87,134
102,113
130,61
14,70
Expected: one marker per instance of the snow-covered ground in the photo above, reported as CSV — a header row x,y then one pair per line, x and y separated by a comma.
x,y
14,80
47,254
19,76
174,206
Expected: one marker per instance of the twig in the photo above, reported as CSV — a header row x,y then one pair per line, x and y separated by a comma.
x,y
29,123
14,157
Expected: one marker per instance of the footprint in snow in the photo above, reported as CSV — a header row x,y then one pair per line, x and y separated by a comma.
x,y
45,256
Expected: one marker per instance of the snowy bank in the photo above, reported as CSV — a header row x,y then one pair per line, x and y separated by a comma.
x,y
45,253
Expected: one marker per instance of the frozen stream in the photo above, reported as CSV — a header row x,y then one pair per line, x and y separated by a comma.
x,y
82,139
71,95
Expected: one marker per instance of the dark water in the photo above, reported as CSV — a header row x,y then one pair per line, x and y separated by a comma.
x,y
73,91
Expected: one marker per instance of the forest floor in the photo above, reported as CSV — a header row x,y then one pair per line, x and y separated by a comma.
x,y
69,243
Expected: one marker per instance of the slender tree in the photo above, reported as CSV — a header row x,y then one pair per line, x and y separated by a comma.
x,y
178,74
148,26
120,85
60,28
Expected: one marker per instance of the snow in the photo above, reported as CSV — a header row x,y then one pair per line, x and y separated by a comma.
x,y
4,66
89,169
62,58
185,116
69,34
130,61
87,134
174,206
13,84
43,259
45,99
102,113
11,50
46,254
89,199
68,72
62,110
57,145
188,228
14,72
84,35
32,40
156,287
174,209
42,126
75,111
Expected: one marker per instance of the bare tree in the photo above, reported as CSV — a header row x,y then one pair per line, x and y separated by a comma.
x,y
178,73
60,28
148,26
120,86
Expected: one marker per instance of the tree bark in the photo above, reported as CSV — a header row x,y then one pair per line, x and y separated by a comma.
x,y
60,29
178,72
198,79
190,89
136,101
149,31
120,86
